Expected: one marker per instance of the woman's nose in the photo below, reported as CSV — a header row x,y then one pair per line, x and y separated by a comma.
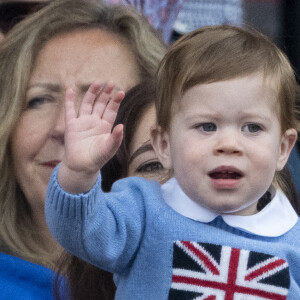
x,y
228,143
58,131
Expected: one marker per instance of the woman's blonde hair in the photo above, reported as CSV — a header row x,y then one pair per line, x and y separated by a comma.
x,y
18,53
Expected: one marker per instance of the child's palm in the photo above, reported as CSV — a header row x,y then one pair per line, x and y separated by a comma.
x,y
89,143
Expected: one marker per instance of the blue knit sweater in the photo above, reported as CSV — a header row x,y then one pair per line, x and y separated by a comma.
x,y
156,253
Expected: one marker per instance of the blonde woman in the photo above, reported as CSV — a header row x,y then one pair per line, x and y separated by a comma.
x,y
68,43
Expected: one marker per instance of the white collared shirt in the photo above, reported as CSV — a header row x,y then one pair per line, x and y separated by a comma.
x,y
275,219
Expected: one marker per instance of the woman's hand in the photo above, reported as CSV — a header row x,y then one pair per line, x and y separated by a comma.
x,y
89,142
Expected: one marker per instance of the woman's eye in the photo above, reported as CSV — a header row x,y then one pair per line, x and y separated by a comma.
x,y
37,102
207,127
252,128
150,167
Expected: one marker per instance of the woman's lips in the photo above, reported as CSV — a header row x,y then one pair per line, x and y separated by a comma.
x,y
51,164
225,177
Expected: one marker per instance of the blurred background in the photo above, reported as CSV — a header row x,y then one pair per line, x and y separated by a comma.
x,y
279,19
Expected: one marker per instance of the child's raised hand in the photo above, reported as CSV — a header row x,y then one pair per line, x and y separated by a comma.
x,y
89,142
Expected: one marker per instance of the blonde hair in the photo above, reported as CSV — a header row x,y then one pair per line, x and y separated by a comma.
x,y
217,53
18,53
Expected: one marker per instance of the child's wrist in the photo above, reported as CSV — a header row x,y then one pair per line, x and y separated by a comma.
x,y
75,182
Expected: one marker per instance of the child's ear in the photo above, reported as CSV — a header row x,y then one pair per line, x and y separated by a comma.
x,y
288,141
160,140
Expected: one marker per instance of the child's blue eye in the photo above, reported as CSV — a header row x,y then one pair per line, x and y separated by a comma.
x,y
208,127
252,127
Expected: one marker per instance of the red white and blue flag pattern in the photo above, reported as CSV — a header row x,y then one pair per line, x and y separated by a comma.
x,y
204,271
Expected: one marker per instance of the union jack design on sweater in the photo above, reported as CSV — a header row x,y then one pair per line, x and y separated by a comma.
x,y
213,272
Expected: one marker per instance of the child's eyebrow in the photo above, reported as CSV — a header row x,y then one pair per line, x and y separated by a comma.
x,y
204,115
216,114
258,115
144,148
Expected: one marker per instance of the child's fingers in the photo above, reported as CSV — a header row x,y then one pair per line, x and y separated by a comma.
x,y
112,144
114,141
102,99
70,112
112,107
88,100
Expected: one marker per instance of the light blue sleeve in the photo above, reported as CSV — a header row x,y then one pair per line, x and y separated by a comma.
x,y
104,229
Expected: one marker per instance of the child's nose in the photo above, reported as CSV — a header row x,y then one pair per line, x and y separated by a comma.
x,y
228,143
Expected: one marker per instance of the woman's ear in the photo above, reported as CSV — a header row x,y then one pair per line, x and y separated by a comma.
x,y
160,140
288,141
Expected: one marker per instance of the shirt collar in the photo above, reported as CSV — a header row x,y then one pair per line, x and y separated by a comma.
x,y
275,219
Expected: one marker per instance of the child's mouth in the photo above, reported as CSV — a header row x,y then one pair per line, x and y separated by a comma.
x,y
225,177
